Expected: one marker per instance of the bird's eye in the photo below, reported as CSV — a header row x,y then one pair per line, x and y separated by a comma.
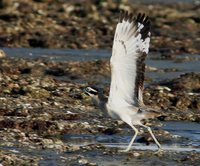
x,y
91,91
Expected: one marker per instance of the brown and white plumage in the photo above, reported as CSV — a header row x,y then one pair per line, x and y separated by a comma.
x,y
130,48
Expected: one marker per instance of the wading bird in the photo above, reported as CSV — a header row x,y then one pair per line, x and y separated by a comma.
x,y
125,101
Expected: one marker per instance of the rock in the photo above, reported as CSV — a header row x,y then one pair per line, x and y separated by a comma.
x,y
84,21
37,42
182,102
55,72
2,54
188,81
82,161
136,154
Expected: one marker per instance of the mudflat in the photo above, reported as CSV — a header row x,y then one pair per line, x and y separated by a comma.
x,y
45,117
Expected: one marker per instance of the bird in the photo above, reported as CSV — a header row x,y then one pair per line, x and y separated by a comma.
x,y
125,100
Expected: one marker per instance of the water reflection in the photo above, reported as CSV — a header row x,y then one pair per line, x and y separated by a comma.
x,y
190,131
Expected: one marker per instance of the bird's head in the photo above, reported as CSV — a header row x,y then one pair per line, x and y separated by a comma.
x,y
98,98
94,94
91,91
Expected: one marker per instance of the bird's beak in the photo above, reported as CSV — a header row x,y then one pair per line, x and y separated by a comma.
x,y
86,92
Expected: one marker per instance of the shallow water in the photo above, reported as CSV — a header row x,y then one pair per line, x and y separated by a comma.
x,y
183,67
92,55
189,131
58,54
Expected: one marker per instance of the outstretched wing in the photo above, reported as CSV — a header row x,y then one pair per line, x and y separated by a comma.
x,y
130,48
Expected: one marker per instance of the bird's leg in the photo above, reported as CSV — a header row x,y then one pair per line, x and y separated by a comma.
x,y
132,140
152,135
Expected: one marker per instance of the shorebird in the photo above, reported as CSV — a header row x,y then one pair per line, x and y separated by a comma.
x,y
125,101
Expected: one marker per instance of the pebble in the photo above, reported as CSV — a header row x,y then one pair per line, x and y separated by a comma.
x,y
83,161
2,54
136,154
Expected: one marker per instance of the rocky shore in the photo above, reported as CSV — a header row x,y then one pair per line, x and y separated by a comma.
x,y
41,101
91,24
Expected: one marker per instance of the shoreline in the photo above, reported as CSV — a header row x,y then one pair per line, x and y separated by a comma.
x,y
38,106
42,101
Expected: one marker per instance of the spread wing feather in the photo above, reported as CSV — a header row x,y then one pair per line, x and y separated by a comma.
x,y
130,48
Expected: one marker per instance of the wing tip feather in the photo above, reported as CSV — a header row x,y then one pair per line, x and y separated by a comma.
x,y
141,18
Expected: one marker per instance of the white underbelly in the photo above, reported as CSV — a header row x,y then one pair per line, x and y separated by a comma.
x,y
114,114
123,113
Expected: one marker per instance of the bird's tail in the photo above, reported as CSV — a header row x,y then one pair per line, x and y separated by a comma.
x,y
152,114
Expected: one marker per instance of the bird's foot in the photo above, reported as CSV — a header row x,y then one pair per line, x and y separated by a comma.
x,y
124,150
159,151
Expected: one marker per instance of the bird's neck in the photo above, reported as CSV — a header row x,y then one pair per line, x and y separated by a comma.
x,y
100,101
